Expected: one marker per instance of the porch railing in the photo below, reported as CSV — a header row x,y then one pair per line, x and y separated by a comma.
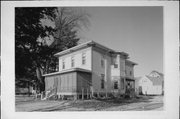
x,y
48,94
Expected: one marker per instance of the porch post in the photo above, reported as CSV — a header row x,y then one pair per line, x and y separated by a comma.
x,y
92,92
106,93
82,93
98,95
87,93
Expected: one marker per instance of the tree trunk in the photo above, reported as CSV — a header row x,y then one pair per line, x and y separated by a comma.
x,y
47,66
40,79
28,89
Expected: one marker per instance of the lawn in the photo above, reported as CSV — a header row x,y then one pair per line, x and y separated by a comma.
x,y
29,104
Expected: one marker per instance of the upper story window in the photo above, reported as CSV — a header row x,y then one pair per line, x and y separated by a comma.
x,y
83,58
72,61
102,81
102,61
115,63
63,64
130,73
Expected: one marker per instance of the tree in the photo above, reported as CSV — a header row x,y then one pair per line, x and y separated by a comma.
x,y
28,29
36,42
68,22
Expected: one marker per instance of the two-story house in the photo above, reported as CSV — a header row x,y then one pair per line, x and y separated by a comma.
x,y
91,69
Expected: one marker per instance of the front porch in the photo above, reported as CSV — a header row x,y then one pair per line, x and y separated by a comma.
x,y
130,87
74,83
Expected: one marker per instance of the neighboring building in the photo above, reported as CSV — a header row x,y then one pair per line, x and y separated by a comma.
x,y
91,69
155,74
152,84
24,86
137,89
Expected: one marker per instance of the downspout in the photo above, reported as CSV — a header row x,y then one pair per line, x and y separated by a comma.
x,y
91,87
105,67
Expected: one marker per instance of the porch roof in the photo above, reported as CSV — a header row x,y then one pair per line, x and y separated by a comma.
x,y
130,78
130,62
67,71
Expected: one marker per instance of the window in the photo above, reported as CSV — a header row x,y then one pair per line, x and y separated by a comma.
x,y
122,83
116,85
102,81
83,58
63,64
72,61
115,63
57,66
130,73
102,61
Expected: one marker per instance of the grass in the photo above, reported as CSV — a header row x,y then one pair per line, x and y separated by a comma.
x,y
30,104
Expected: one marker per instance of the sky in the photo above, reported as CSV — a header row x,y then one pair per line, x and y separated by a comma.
x,y
137,31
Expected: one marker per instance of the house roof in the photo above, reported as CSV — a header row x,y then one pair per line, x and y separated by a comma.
x,y
156,80
154,71
90,43
67,71
72,49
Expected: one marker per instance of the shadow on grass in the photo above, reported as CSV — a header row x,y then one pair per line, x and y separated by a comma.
x,y
93,105
58,107
101,104
24,101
